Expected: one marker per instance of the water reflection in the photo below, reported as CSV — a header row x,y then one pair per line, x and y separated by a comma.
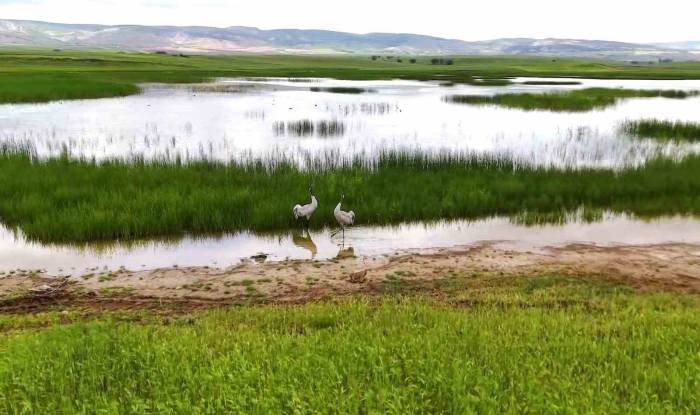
x,y
242,118
303,240
227,250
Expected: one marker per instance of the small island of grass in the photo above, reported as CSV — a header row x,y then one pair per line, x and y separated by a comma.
x,y
580,100
662,129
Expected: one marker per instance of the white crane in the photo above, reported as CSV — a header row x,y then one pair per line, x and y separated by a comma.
x,y
344,218
307,210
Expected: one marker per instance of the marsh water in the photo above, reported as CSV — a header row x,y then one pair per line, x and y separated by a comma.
x,y
274,118
246,118
227,250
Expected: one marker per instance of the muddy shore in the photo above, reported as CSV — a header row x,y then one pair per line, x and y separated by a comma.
x,y
644,267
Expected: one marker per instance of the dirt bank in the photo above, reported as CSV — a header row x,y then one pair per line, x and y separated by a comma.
x,y
666,266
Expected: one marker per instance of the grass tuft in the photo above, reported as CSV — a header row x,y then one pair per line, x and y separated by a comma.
x,y
662,129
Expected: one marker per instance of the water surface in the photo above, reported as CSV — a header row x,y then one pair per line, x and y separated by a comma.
x,y
240,118
18,253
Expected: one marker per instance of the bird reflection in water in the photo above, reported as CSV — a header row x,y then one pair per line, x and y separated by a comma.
x,y
303,240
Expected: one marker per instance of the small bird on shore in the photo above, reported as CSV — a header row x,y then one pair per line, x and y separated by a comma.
x,y
344,218
305,211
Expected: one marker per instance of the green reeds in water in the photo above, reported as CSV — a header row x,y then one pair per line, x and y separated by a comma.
x,y
307,128
662,129
551,83
67,200
567,101
341,90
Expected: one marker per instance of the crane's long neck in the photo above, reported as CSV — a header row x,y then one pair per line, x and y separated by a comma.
x,y
314,202
337,208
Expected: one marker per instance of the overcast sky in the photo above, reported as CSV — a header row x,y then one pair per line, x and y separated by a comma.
x,y
623,20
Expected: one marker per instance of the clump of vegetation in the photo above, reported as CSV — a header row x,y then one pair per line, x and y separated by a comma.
x,y
490,82
662,129
567,101
67,200
551,83
441,61
306,128
341,90
517,344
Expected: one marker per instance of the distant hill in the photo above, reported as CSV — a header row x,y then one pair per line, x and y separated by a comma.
x,y
200,39
693,45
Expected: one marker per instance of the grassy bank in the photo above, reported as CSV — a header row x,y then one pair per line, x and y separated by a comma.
x,y
544,344
31,75
662,129
567,101
68,200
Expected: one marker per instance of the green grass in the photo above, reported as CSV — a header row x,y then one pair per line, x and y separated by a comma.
x,y
35,75
662,129
68,200
566,101
503,345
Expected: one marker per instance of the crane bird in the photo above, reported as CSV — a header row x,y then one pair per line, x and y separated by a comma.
x,y
344,218
307,210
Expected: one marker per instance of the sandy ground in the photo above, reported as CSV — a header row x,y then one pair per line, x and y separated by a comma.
x,y
666,266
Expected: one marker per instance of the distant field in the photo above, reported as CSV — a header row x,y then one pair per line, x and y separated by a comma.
x,y
76,201
539,344
44,75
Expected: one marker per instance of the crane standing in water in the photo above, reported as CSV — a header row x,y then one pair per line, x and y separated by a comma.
x,y
307,210
344,218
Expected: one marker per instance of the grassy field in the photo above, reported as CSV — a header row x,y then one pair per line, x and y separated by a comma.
x,y
567,101
662,129
76,201
544,344
44,75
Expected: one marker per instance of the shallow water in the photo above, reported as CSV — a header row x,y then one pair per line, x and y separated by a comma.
x,y
17,253
237,118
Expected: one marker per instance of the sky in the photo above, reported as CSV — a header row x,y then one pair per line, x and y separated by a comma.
x,y
620,20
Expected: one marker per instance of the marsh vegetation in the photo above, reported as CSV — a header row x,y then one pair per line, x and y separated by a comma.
x,y
662,129
307,128
82,200
579,100
341,90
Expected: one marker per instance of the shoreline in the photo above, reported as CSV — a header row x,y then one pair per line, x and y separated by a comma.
x,y
672,266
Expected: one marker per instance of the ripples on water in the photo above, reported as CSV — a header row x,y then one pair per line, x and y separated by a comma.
x,y
240,119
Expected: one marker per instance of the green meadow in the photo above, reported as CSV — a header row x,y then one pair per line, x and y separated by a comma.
x,y
538,344
34,75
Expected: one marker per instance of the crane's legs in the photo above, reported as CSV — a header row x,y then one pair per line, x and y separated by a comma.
x,y
342,228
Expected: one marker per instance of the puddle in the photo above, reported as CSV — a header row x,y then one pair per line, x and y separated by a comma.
x,y
242,118
16,253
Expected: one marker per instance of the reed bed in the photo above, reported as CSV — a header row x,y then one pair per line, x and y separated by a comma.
x,y
67,200
341,90
551,83
662,129
307,128
581,100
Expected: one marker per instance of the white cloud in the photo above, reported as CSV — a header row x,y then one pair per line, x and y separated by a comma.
x,y
625,20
